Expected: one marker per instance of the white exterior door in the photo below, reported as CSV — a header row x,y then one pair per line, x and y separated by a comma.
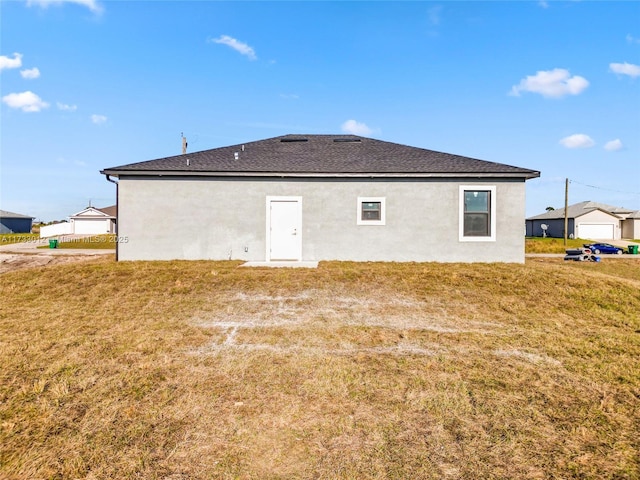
x,y
284,228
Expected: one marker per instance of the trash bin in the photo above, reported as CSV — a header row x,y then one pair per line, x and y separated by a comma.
x,y
53,243
633,249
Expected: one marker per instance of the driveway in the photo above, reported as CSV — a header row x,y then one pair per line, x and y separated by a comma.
x,y
617,243
17,256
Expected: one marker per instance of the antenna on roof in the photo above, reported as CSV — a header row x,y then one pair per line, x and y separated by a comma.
x,y
184,143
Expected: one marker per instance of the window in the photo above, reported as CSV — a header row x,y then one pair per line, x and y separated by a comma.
x,y
371,211
477,213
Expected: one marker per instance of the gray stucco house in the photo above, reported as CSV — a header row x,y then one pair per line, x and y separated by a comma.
x,y
587,220
15,222
321,197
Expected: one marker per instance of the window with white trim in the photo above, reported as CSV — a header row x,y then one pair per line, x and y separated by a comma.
x,y
371,211
477,213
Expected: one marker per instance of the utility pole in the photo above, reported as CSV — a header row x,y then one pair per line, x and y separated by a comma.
x,y
566,206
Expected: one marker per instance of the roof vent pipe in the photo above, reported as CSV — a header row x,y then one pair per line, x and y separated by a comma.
x,y
236,155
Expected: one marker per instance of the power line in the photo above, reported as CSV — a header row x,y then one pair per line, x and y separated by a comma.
x,y
603,188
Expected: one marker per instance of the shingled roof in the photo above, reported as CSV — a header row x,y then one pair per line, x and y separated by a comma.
x,y
5,214
579,209
321,155
112,211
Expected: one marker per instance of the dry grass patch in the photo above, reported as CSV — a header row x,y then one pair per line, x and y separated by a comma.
x,y
551,245
95,242
176,370
11,238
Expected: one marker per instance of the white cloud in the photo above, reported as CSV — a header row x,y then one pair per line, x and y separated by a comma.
x,y
625,69
98,119
237,45
613,145
25,101
15,62
77,163
356,128
30,73
554,83
434,14
66,108
632,39
578,140
92,5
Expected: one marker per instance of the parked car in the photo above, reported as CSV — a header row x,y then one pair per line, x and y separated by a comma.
x,y
598,248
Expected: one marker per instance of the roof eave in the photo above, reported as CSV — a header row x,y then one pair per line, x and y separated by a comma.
x,y
183,173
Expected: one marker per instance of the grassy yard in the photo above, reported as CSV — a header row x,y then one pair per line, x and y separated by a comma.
x,y
551,245
93,242
96,241
194,370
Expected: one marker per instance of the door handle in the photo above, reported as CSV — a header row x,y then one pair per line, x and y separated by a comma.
x,y
295,231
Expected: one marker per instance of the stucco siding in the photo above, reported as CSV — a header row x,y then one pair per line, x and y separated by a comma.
x,y
631,228
212,218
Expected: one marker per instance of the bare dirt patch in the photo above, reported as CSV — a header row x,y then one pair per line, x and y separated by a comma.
x,y
10,262
340,325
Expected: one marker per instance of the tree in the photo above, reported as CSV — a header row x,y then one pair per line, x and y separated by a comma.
x,y
549,209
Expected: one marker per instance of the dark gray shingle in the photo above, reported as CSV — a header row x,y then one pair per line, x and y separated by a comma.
x,y
321,154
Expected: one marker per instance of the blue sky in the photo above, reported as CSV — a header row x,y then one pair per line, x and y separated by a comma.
x,y
88,84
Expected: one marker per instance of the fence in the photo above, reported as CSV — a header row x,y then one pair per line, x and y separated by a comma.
x,y
65,228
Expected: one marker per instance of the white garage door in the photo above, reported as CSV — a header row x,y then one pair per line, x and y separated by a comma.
x,y
85,226
596,231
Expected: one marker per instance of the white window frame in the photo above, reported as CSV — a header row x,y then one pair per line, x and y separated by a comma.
x,y
361,221
492,213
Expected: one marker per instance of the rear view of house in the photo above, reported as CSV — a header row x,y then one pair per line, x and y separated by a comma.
x,y
321,197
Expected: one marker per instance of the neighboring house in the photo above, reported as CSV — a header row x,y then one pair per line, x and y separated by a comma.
x,y
588,220
15,223
90,221
93,220
321,197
